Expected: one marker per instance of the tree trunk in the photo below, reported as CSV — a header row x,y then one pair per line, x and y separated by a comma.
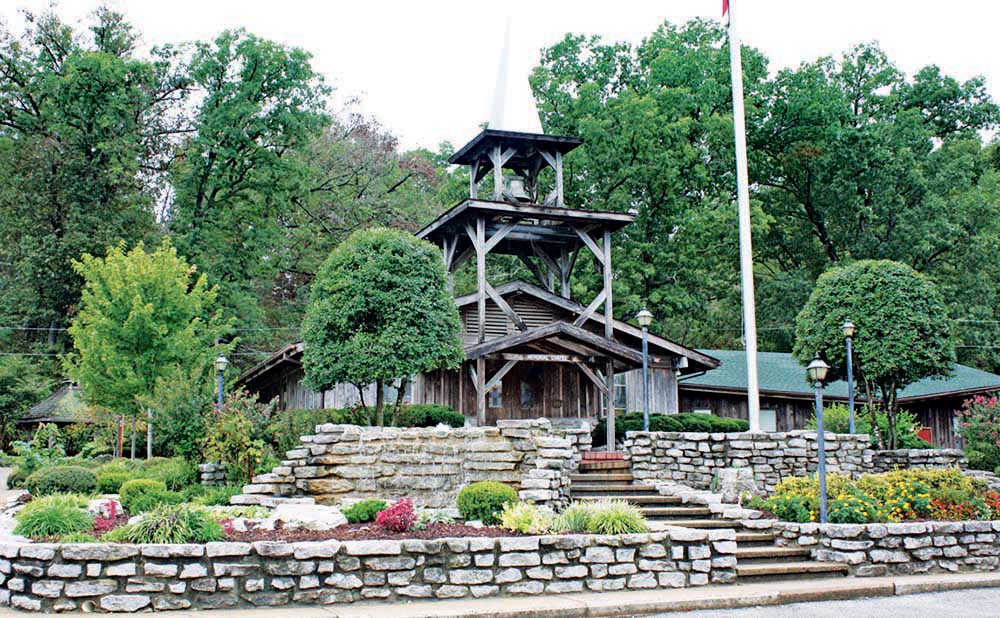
x,y
400,395
149,433
361,396
379,404
873,414
889,396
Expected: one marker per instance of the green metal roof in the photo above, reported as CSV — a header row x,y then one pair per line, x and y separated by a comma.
x,y
779,372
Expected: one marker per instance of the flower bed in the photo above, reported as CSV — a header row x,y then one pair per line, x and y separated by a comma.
x,y
115,577
903,495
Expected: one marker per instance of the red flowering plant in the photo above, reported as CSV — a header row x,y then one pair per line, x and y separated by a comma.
x,y
103,524
979,426
399,517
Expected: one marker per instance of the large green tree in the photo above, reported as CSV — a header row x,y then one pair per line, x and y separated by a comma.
x,y
379,312
144,316
84,125
902,335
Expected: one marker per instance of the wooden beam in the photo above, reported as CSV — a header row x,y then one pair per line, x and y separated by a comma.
x,y
587,240
500,234
499,375
474,180
481,277
462,258
474,376
535,270
542,358
507,309
587,371
481,391
591,308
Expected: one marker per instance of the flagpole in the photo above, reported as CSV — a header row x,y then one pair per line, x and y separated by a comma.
x,y
743,201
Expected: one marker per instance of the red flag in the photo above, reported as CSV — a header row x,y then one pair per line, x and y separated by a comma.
x,y
725,10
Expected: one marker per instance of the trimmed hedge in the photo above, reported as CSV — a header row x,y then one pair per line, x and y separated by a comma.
x,y
141,495
687,421
364,511
61,480
484,501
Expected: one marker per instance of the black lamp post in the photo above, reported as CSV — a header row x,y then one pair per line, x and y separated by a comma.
x,y
849,329
221,362
817,373
645,318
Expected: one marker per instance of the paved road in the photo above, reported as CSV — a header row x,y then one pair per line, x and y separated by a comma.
x,y
981,603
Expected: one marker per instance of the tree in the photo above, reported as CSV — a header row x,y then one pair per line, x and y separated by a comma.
x,y
903,332
21,386
143,315
84,124
379,312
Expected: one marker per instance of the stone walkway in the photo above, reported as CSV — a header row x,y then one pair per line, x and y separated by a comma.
x,y
618,604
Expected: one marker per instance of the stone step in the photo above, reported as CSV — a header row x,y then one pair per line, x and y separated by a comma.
x,y
602,477
639,499
610,488
754,538
761,555
683,512
701,523
789,570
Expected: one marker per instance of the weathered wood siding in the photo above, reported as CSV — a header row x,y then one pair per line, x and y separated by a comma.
x,y
662,390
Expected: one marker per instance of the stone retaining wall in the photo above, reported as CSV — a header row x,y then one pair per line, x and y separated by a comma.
x,y
694,459
107,577
427,465
903,548
212,474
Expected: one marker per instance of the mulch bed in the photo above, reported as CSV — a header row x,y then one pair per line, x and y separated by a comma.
x,y
366,532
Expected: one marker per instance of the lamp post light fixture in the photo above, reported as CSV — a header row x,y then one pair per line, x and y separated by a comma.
x,y
221,362
817,373
645,318
849,328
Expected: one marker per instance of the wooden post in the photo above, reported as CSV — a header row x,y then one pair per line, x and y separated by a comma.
x,y
608,281
497,173
610,377
481,391
559,180
481,277
473,185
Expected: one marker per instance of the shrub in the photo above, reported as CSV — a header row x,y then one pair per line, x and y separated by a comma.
x,y
430,415
54,516
837,419
979,426
176,473
795,508
285,428
853,509
426,518
111,482
484,501
217,496
364,511
141,495
170,524
78,537
17,477
616,517
687,421
574,518
61,479
231,435
527,518
399,517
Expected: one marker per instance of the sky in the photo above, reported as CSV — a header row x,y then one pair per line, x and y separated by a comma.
x,y
427,70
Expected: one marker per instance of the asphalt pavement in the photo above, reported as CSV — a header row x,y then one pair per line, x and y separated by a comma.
x,y
978,603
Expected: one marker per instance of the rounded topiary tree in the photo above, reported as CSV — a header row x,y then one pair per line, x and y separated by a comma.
x,y
903,332
379,312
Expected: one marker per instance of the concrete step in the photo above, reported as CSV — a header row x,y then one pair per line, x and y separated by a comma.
x,y
671,512
700,523
772,554
639,499
751,573
606,464
602,477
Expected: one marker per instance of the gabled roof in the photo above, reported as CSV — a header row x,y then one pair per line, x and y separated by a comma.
x,y
477,146
562,336
780,374
697,360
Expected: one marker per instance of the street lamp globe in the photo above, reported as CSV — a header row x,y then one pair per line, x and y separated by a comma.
x,y
849,328
644,317
221,362
817,370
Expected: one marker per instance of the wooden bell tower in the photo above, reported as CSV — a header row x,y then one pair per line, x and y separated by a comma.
x,y
524,219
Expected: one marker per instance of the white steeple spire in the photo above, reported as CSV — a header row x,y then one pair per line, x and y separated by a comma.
x,y
513,104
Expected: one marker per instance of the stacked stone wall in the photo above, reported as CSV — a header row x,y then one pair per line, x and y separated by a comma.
x,y
695,459
212,474
902,548
427,465
113,578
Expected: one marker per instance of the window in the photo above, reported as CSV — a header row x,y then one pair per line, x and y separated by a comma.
x,y
495,396
621,393
527,395
768,420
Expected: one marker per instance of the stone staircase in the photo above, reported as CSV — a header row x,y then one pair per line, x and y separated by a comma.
x,y
603,476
